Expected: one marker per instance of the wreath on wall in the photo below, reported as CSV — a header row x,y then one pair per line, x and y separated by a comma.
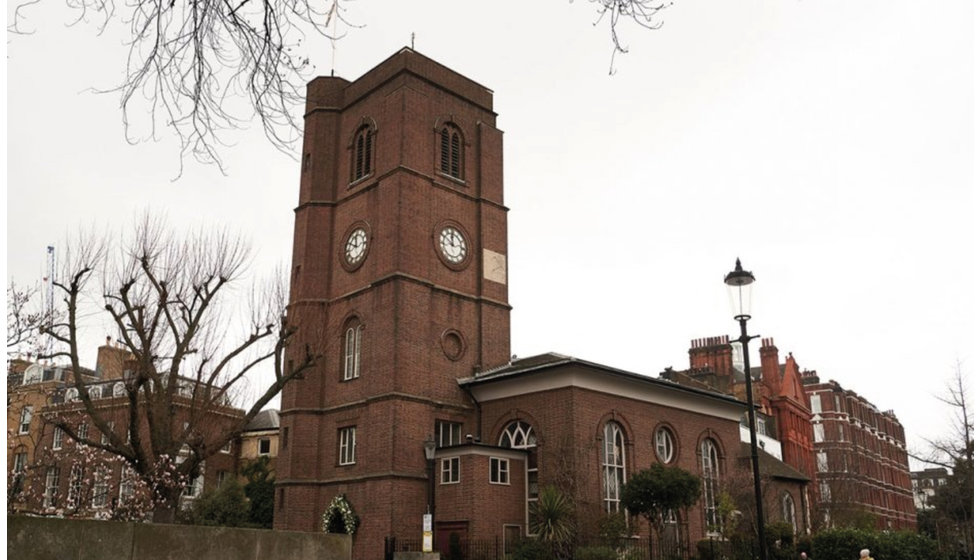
x,y
339,517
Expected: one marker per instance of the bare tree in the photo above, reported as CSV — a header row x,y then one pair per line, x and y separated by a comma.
x,y
644,13
956,446
952,514
171,300
191,63
25,318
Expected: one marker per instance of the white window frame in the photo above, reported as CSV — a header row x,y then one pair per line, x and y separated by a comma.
x,y
816,406
818,433
500,471
74,486
789,510
613,465
51,482
822,463
711,476
352,352
20,462
347,446
100,488
665,444
127,484
226,448
268,443
26,415
83,430
448,433
520,435
195,486
449,470
57,439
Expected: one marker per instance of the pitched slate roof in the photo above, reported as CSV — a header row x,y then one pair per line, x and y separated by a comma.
x,y
769,465
265,420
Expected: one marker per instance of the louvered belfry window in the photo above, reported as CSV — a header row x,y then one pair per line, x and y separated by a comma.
x,y
362,153
451,152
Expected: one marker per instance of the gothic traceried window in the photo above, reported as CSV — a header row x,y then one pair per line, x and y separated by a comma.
x,y
520,435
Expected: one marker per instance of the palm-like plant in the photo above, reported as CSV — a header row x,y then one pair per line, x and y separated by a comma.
x,y
551,516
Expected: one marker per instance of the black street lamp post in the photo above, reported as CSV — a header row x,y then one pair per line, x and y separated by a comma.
x,y
429,446
740,292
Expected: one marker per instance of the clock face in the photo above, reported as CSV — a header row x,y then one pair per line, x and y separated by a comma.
x,y
453,244
356,246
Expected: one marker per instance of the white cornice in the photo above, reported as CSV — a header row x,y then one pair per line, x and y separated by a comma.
x,y
617,384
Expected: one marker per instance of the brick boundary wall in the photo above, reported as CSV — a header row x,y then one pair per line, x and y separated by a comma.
x,y
39,538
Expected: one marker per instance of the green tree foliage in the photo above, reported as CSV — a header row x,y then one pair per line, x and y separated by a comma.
x,y
657,491
260,491
226,506
779,541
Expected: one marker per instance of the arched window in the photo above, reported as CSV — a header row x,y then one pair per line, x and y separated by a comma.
x,y
665,445
95,392
352,350
118,390
33,374
789,510
711,478
613,465
520,435
71,395
363,153
451,151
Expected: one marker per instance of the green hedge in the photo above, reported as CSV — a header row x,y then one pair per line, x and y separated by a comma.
x,y
898,545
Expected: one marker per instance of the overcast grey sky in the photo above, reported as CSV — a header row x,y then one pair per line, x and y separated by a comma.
x,y
827,143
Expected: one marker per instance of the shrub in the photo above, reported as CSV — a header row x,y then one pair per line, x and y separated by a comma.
x,y
531,550
596,553
713,549
226,506
779,541
847,543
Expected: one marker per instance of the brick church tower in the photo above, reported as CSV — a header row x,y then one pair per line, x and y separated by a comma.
x,y
399,265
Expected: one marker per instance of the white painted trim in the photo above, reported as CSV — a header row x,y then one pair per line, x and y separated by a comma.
x,y
583,377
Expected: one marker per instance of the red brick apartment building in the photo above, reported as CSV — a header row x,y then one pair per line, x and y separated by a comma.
x,y
862,460
853,455
400,252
